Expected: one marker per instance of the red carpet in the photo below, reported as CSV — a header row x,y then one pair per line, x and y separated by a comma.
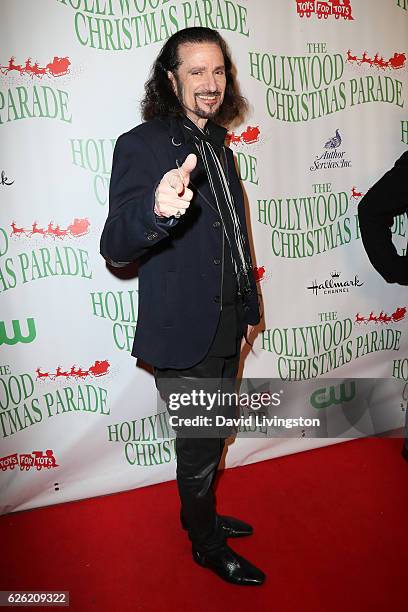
x,y
330,532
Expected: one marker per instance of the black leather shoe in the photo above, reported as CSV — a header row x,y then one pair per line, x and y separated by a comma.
x,y
232,527
230,566
404,452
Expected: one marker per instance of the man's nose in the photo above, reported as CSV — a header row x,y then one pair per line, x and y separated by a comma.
x,y
211,83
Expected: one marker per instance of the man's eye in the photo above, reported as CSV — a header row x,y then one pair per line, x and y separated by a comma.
x,y
198,72
221,72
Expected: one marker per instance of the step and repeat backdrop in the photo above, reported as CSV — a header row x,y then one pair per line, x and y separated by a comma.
x,y
327,84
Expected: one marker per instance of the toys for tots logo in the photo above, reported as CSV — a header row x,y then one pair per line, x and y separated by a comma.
x,y
37,460
323,10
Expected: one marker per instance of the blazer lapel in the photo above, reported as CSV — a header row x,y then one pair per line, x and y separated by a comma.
x,y
179,151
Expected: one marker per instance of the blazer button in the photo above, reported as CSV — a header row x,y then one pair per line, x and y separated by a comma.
x,y
151,235
217,261
217,299
216,224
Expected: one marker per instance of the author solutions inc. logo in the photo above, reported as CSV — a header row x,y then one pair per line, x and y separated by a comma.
x,y
333,285
332,156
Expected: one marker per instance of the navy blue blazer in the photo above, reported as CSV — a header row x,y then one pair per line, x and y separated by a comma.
x,y
180,284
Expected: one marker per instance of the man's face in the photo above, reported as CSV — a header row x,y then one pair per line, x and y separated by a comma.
x,y
200,80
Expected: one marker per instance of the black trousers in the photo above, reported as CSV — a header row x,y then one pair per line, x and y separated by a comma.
x,y
198,457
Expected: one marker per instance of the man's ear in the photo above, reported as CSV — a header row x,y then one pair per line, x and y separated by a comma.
x,y
172,80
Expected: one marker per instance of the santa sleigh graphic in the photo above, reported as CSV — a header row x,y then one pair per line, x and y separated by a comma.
x,y
248,136
259,273
99,368
338,8
399,314
397,61
59,66
251,134
79,227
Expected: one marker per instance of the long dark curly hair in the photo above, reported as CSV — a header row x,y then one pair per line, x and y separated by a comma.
x,y
160,99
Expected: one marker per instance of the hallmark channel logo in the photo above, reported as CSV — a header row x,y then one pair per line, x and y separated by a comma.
x,y
332,156
332,8
26,461
333,285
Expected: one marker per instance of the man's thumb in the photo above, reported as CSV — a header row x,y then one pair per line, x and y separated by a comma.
x,y
188,166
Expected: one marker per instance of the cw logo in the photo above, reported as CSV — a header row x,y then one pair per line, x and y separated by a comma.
x,y
17,333
327,396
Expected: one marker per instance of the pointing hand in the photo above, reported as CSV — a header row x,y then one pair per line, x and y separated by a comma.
x,y
172,196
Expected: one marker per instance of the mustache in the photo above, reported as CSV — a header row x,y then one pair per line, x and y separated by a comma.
x,y
208,93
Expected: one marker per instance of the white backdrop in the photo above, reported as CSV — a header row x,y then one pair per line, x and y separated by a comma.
x,y
327,83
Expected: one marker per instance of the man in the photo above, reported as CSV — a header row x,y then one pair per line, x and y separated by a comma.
x,y
387,199
176,205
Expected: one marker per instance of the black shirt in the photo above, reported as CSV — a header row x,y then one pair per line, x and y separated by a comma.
x,y
231,323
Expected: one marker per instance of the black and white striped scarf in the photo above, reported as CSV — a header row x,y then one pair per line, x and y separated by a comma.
x,y
207,148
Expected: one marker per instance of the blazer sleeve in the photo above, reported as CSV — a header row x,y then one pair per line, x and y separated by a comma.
x,y
376,211
131,227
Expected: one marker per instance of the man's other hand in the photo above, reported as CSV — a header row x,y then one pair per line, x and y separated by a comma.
x,y
249,330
